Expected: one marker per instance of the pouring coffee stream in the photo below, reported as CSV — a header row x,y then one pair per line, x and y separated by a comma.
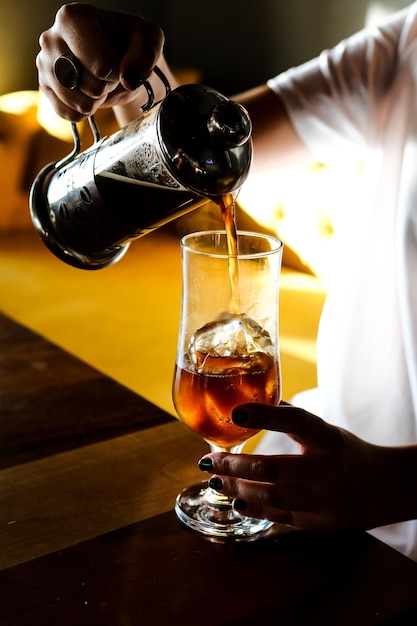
x,y
192,147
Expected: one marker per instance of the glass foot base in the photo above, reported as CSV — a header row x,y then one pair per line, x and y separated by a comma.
x,y
211,513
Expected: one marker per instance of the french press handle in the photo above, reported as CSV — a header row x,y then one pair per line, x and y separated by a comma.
x,y
92,122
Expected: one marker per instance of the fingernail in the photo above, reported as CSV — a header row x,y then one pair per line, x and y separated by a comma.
x,y
240,416
206,465
240,505
215,483
133,78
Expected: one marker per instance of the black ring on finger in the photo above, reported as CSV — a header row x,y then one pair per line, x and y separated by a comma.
x,y
68,71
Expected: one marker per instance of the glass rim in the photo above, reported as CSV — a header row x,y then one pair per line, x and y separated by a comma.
x,y
276,244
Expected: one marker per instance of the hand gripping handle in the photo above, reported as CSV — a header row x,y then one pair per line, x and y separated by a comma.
x,y
92,122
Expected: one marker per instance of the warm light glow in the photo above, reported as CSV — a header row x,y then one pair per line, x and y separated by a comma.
x,y
303,349
294,204
18,102
378,11
300,206
51,122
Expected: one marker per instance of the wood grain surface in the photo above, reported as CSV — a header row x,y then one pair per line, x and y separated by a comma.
x,y
89,472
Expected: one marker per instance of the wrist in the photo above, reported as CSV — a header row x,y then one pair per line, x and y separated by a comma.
x,y
396,485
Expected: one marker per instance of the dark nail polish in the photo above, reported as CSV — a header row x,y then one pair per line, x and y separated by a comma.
x,y
206,465
240,505
215,483
240,417
133,78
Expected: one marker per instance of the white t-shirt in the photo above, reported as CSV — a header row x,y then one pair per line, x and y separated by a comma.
x,y
358,102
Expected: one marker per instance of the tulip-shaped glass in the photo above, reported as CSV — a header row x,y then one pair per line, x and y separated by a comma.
x,y
227,355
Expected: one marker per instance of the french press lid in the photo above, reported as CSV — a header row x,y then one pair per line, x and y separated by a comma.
x,y
205,139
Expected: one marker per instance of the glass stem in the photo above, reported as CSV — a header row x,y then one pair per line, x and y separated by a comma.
x,y
220,504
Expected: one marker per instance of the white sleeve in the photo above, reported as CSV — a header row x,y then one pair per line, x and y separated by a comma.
x,y
338,101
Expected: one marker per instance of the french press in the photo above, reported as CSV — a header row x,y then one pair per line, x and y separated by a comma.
x,y
191,147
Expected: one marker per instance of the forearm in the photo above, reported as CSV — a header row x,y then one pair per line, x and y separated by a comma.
x,y
276,144
395,486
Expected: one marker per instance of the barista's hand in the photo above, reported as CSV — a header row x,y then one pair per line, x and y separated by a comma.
x,y
117,52
337,481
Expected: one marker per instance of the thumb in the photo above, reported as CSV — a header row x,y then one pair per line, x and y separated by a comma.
x,y
307,429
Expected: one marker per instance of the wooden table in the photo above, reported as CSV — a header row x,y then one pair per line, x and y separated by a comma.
x,y
88,477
